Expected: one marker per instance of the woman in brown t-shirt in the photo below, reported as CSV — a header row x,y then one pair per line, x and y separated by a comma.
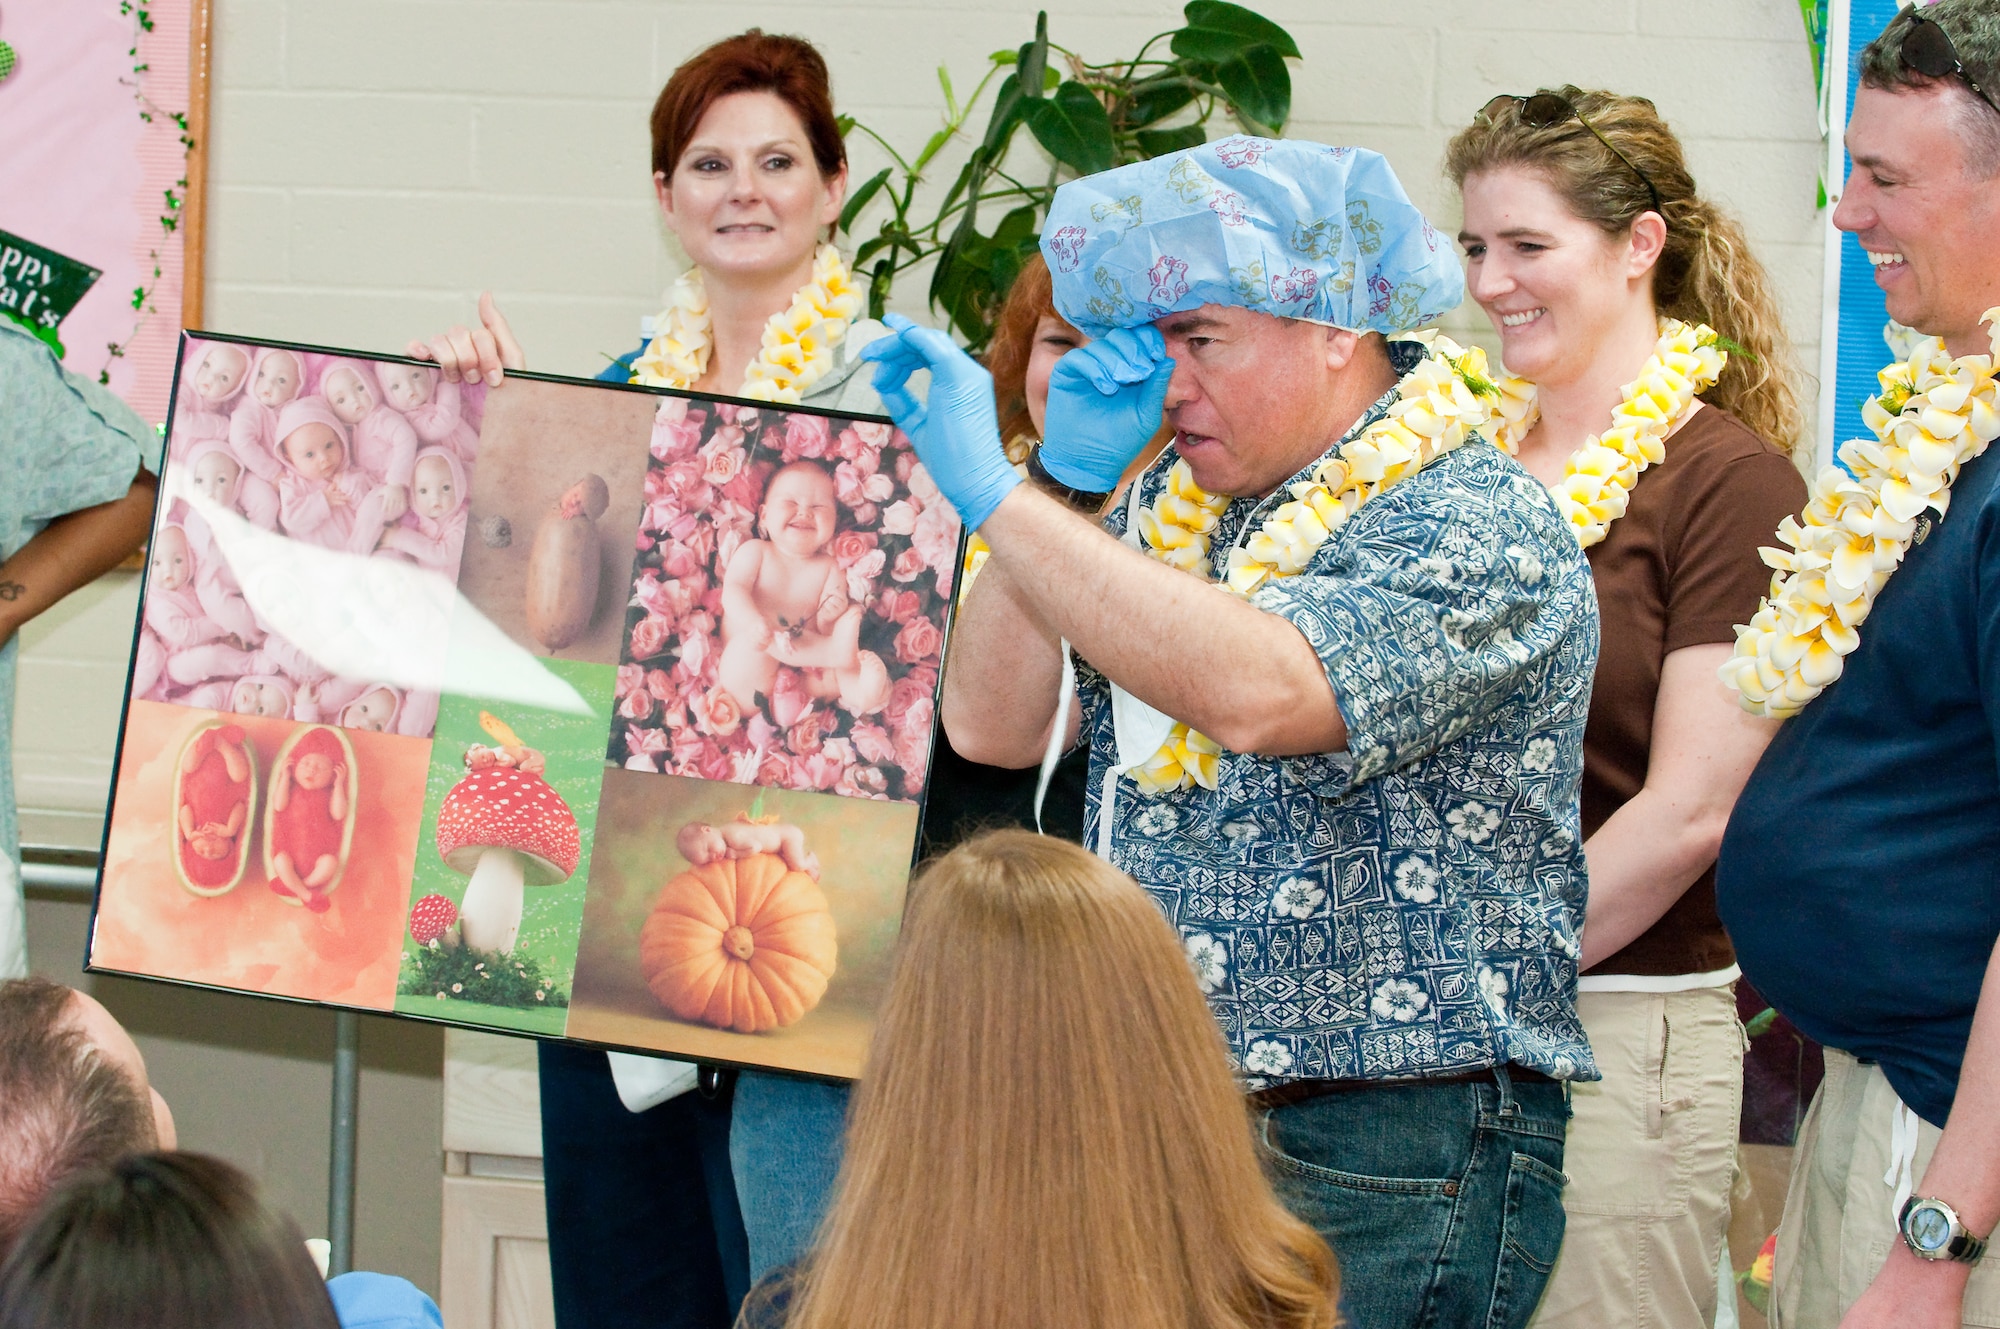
x,y
1582,231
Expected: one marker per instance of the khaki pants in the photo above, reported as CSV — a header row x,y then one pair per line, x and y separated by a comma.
x,y
1838,1225
1650,1158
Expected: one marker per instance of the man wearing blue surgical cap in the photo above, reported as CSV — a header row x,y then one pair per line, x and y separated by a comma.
x,y
1378,875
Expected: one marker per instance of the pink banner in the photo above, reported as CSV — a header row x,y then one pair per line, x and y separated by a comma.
x,y
85,172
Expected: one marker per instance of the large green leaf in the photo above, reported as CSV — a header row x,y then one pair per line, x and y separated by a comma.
x,y
1033,60
1017,226
1259,87
969,177
861,197
1074,128
1218,31
1154,99
1008,107
1160,142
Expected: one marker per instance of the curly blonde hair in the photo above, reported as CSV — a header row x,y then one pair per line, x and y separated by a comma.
x,y
1706,273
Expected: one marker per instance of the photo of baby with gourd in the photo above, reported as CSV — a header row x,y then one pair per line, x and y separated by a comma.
x,y
736,924
259,852
504,850
280,459
549,556
788,603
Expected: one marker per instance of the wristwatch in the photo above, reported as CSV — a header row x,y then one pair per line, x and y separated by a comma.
x,y
1932,1232
1083,500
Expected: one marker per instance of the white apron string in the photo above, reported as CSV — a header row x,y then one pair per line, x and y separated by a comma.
x,y
1140,729
1053,756
1902,1158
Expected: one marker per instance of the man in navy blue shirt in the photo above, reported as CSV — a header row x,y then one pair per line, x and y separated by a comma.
x,y
1860,877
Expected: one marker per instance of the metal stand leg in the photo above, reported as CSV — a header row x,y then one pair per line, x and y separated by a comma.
x,y
340,1167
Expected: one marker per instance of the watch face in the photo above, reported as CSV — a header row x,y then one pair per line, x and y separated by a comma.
x,y
1929,1229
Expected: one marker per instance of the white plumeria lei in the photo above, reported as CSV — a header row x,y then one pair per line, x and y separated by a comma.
x,y
1440,404
798,341
1597,481
1933,415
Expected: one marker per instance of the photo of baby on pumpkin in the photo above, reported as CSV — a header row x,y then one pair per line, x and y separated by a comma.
x,y
747,925
366,457
788,604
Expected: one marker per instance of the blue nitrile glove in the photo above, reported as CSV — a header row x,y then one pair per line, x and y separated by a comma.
x,y
957,432
1105,400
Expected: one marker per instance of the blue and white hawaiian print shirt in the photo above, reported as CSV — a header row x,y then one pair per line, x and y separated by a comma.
x,y
1410,906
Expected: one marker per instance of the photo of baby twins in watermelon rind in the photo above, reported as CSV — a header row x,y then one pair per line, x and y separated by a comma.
x,y
496,901
789,597
259,853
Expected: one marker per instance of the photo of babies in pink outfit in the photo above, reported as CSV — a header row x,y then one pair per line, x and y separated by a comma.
x,y
340,452
788,609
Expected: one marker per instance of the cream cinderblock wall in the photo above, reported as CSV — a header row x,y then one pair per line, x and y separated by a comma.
x,y
375,163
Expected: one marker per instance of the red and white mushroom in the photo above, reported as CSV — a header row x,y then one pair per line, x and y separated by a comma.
x,y
431,919
509,830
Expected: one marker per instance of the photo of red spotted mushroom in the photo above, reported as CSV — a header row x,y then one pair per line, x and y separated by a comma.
x,y
507,830
434,922
497,900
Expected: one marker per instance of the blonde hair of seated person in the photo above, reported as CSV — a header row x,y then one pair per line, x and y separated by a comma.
x,y
1047,1131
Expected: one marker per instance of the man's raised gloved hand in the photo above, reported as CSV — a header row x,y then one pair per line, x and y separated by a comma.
x,y
957,431
1105,400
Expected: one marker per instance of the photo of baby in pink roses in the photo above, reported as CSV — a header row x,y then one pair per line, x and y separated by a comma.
x,y
789,596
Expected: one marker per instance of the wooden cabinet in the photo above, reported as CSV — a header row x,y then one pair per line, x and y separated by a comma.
x,y
496,1243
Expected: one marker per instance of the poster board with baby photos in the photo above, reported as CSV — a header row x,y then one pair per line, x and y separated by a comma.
x,y
569,708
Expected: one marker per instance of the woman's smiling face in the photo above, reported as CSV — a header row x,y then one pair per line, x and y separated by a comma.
x,y
1552,283
746,199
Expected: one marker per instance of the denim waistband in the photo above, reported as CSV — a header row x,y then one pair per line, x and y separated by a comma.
x,y
1301,1091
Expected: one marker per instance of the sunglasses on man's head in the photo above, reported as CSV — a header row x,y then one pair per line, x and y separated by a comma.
x,y
1544,110
1927,49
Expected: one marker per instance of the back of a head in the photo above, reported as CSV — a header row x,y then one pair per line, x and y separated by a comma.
x,y
162,1241
64,1107
1047,1130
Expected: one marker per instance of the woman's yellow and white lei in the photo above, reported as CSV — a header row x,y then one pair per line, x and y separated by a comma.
x,y
1934,414
1597,481
798,341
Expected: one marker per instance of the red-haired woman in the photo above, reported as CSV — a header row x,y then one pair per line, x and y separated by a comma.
x,y
750,173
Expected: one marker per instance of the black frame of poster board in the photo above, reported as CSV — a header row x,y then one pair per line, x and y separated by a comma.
x,y
252,344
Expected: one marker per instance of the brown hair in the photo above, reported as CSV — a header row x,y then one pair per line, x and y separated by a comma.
x,y
789,67
63,1106
1029,300
162,1241
1705,274
1047,1131
1974,29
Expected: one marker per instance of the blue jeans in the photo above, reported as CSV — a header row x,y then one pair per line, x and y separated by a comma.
x,y
784,1148
1443,1202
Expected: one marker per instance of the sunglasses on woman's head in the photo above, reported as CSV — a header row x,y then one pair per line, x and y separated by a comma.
x,y
1927,49
1544,110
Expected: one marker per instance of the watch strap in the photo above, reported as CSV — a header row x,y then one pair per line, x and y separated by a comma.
x,y
1083,500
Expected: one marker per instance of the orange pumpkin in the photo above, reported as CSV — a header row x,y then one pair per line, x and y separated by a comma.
x,y
744,944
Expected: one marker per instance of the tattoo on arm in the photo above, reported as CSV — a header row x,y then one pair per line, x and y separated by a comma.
x,y
12,590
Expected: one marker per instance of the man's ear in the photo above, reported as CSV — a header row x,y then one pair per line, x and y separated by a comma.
x,y
1342,344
